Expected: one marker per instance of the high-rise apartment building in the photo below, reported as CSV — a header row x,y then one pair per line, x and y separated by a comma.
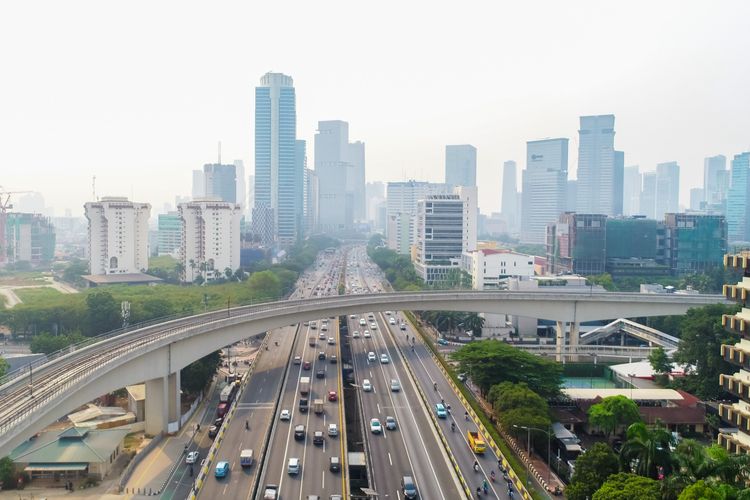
x,y
597,168
738,201
509,201
221,181
631,191
648,195
461,165
210,238
667,189
278,181
310,200
169,235
401,211
118,236
545,183
715,180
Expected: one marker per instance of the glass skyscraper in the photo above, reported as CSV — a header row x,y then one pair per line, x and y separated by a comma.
x,y
461,165
599,173
545,185
278,179
738,208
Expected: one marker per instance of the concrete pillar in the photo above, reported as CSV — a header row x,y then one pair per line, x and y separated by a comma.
x,y
156,406
574,339
173,387
560,334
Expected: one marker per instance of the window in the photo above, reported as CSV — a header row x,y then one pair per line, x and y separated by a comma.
x,y
113,263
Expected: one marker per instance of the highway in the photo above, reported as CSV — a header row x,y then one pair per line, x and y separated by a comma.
x,y
314,476
413,449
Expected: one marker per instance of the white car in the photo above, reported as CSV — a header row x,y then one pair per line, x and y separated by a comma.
x,y
385,359
331,341
392,321
366,385
367,334
371,357
333,430
192,457
355,334
373,326
352,316
375,426
362,322
388,313
285,415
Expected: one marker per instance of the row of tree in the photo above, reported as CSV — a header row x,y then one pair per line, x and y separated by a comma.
x,y
454,322
710,281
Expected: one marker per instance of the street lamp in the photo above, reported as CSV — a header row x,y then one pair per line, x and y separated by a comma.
x,y
528,448
631,375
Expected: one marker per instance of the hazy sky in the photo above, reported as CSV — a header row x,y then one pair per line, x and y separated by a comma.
x,y
139,93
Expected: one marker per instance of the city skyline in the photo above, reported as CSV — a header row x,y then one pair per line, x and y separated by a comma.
x,y
165,126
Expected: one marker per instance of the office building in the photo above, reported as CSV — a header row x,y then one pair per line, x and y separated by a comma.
x,y
461,165
210,238
118,236
618,186
401,211
696,243
221,181
355,180
440,237
545,183
597,167
250,196
199,184
510,200
571,196
310,201
374,197
241,187
490,268
278,181
738,200
648,195
715,180
697,199
577,244
631,191
636,246
169,239
26,237
667,189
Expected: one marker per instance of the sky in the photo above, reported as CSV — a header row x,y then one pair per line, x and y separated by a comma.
x,y
139,93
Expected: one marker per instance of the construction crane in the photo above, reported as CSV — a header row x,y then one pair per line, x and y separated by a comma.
x,y
5,204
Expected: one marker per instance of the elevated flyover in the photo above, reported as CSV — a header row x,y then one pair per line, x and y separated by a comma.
x,y
31,399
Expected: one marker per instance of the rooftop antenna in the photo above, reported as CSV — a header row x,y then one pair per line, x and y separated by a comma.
x,y
219,152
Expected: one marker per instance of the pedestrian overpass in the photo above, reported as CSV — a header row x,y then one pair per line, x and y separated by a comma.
x,y
32,398
650,335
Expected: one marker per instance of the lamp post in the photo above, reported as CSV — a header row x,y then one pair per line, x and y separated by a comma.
x,y
528,448
631,375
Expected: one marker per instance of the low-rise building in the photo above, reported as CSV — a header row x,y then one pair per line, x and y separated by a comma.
x,y
490,268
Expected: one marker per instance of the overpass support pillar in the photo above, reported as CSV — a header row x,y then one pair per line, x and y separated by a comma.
x,y
156,406
573,340
560,344
173,388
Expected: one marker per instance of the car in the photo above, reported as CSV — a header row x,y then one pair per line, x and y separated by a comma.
x,y
335,497
391,321
297,360
192,457
322,336
334,359
321,356
373,326
299,432
390,423
334,464
293,467
375,426
333,430
332,396
461,377
213,431
395,385
219,421
324,328
304,404
318,437
371,357
285,415
222,469
352,316
388,313
366,385
442,342
367,334
306,365
440,411
331,341
362,322
403,327
355,334
320,374
385,359
408,488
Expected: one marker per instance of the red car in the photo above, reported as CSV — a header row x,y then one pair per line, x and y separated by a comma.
x,y
306,365
332,396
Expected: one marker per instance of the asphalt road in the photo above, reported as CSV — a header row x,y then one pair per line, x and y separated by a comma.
x,y
413,449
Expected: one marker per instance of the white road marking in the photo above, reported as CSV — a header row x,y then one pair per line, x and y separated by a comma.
x,y
389,459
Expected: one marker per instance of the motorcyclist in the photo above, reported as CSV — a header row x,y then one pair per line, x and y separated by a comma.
x,y
434,385
247,425
453,426
466,415
485,486
476,466
492,476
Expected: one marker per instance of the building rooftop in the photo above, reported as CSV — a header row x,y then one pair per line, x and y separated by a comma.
x,y
71,446
120,279
635,394
137,392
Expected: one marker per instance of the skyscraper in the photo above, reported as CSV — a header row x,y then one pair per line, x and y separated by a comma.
x,y
461,165
118,235
300,166
199,184
619,180
310,200
738,201
648,195
241,187
509,202
402,199
210,238
631,191
545,182
221,182
278,192
697,199
667,189
715,181
597,169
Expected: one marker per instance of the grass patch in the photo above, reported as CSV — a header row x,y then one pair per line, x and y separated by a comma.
x,y
37,296
26,278
166,262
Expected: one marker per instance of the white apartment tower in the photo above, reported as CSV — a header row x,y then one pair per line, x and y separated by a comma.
x,y
210,238
118,236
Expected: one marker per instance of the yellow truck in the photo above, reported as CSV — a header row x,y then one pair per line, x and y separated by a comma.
x,y
476,443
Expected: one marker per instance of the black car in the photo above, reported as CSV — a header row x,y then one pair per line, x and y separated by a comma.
x,y
318,437
321,374
213,431
335,464
303,405
321,355
299,432
334,359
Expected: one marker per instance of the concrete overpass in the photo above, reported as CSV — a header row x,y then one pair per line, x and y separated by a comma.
x,y
31,400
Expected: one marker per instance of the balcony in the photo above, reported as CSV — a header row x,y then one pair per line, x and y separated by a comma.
x,y
736,386
738,261
735,416
735,324
732,444
737,355
737,293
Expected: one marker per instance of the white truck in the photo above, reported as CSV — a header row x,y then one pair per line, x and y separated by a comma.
x,y
246,458
271,492
304,386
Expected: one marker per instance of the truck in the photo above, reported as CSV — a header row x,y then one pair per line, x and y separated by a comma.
x,y
228,392
476,443
304,386
271,492
312,341
318,406
222,409
246,458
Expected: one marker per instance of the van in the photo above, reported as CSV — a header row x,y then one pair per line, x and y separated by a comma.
x,y
408,488
293,467
246,458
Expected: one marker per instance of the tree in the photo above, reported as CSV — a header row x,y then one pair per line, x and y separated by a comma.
x,y
491,362
700,491
625,486
264,285
74,271
196,376
592,470
47,344
474,322
613,413
4,366
660,361
228,273
103,313
603,280
7,473
646,450
517,405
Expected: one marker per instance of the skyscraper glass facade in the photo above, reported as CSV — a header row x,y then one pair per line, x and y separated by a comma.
x,y
597,175
738,208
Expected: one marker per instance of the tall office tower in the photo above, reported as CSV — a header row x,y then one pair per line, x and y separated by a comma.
x,y
618,185
374,195
241,187
461,165
715,180
631,191
545,183
470,196
441,229
300,167
571,196
738,201
597,176
509,202
310,201
210,238
169,234
648,195
118,235
278,195
250,195
401,210
199,184
355,180
667,189
221,182
697,199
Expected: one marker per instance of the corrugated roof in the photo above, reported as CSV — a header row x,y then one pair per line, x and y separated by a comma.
x,y
635,394
110,279
94,447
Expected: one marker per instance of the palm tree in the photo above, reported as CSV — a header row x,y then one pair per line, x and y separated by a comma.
x,y
645,450
475,323
179,268
217,274
228,272
193,265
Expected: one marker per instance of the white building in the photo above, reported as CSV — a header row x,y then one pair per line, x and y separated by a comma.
x,y
401,210
490,268
118,236
210,238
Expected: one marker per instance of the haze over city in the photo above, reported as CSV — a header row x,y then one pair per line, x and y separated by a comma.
x,y
140,96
